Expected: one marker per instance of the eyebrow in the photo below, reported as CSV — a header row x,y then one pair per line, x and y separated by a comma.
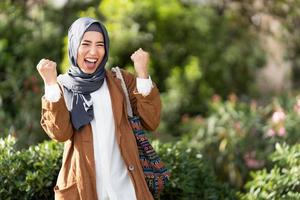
x,y
98,42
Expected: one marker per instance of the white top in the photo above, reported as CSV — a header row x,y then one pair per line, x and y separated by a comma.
x,y
112,179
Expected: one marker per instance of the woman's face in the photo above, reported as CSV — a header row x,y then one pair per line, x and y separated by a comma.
x,y
90,51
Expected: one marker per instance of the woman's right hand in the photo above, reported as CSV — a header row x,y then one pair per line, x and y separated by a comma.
x,y
47,70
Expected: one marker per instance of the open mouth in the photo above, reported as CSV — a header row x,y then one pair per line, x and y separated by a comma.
x,y
90,62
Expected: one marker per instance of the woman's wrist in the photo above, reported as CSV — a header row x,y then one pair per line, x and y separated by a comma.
x,y
144,76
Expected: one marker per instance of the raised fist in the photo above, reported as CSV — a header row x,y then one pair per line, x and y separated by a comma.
x,y
140,60
47,70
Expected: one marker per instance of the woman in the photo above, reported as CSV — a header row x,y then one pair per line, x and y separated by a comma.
x,y
85,108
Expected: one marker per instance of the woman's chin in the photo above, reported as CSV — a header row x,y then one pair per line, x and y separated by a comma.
x,y
89,70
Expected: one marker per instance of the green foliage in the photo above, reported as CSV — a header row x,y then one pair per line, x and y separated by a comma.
x,y
191,176
30,173
282,181
238,137
180,95
198,49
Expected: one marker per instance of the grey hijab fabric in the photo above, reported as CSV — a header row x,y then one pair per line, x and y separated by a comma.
x,y
78,85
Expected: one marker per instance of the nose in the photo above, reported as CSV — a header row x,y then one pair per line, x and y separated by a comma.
x,y
93,50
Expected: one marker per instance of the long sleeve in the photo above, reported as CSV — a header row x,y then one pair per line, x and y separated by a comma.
x,y
55,119
147,107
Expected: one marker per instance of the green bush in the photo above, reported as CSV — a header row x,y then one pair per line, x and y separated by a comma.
x,y
31,173
282,181
191,176
238,137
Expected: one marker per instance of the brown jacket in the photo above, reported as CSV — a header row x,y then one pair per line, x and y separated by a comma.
x,y
76,179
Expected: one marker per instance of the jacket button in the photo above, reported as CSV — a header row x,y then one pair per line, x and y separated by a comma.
x,y
131,167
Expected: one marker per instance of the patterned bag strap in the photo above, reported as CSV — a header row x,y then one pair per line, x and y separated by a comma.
x,y
120,76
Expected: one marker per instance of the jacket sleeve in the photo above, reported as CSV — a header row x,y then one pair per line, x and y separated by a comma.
x,y
55,120
147,107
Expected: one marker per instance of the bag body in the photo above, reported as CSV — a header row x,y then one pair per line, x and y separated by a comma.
x,y
156,174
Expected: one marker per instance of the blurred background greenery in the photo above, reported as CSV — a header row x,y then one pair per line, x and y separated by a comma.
x,y
227,71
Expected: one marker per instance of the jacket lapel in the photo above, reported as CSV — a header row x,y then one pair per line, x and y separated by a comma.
x,y
116,95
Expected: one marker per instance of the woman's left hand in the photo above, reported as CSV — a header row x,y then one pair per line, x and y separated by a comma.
x,y
140,60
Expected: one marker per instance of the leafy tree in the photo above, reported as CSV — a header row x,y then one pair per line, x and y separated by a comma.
x,y
173,31
25,38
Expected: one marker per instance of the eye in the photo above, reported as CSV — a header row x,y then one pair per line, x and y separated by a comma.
x,y
100,45
84,44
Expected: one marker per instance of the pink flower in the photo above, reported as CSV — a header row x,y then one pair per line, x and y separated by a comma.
x,y
281,132
216,98
237,126
278,116
271,133
251,162
185,118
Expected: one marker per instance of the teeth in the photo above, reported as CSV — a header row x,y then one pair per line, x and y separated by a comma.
x,y
91,60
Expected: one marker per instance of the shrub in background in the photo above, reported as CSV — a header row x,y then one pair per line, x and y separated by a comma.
x,y
191,176
31,173
282,181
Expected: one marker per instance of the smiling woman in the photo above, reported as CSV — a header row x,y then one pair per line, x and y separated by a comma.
x,y
85,109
